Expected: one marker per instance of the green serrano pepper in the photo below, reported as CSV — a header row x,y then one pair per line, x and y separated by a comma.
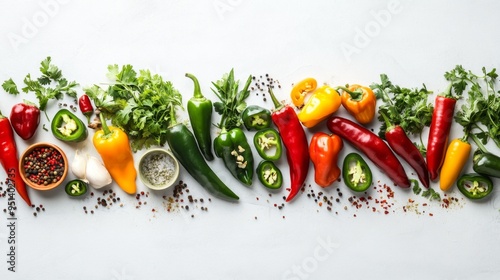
x,y
183,145
200,115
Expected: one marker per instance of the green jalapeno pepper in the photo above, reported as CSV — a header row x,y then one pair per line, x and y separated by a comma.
x,y
475,186
76,188
356,173
232,146
67,127
269,175
256,118
268,144
486,164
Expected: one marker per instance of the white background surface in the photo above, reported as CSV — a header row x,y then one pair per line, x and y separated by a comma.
x,y
338,42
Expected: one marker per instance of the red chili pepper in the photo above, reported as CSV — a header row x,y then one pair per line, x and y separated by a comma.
x,y
9,159
86,106
25,118
400,143
295,141
442,118
372,146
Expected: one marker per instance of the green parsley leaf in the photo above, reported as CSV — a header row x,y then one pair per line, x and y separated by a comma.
x,y
10,87
405,107
141,104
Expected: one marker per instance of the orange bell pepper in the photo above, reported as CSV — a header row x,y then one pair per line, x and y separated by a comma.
x,y
114,147
360,102
324,150
323,103
456,156
301,89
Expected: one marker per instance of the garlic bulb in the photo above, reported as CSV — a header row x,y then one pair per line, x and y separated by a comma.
x,y
79,166
96,174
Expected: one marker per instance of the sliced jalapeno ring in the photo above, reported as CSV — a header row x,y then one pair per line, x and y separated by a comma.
x,y
269,175
475,186
356,173
76,188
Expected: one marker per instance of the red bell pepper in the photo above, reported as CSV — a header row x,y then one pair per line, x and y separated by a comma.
x,y
9,159
372,146
324,150
25,118
295,141
442,118
86,106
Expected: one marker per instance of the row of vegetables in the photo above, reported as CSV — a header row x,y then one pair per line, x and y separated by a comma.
x,y
142,108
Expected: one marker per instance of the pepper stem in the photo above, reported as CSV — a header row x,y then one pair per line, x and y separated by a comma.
x,y
355,95
173,119
277,104
105,127
447,92
387,121
1,115
197,90
478,143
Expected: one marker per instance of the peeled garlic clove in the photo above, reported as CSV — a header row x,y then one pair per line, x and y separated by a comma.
x,y
79,166
96,173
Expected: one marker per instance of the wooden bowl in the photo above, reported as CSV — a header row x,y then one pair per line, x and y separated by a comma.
x,y
53,173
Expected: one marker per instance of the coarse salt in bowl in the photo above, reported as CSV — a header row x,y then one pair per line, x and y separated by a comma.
x,y
158,169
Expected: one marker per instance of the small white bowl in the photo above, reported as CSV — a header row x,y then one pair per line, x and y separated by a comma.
x,y
158,169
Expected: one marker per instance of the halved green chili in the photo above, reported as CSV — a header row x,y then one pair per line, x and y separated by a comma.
x,y
256,118
356,173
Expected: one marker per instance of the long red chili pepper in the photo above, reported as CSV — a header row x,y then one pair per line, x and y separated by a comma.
x,y
295,141
86,106
442,118
9,159
372,146
400,143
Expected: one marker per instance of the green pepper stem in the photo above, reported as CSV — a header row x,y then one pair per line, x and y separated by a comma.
x,y
197,90
105,127
355,95
277,104
387,121
478,143
447,92
173,119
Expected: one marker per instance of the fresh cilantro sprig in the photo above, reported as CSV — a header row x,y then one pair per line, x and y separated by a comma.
x,y
50,85
405,107
232,101
141,104
478,115
429,193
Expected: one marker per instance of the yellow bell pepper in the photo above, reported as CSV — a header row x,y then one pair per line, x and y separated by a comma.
x,y
323,103
360,102
114,147
456,156
301,89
